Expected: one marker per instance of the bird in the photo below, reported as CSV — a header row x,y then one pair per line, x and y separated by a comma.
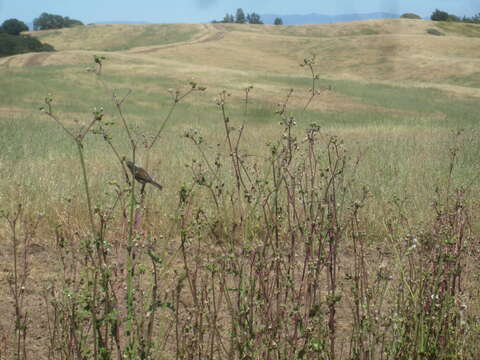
x,y
141,175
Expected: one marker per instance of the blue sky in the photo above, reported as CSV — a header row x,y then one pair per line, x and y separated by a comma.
x,y
167,11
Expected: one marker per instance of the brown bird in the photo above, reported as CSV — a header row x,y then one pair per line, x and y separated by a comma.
x,y
141,175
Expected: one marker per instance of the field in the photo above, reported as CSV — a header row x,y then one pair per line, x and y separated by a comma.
x,y
397,116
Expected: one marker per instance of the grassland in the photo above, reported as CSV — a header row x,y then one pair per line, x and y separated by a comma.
x,y
393,85
400,99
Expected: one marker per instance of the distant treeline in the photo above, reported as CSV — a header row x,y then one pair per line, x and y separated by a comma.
x,y
13,42
439,15
48,21
241,18
19,44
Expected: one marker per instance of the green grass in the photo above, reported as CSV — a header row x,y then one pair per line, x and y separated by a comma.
x,y
397,126
472,80
435,32
162,35
419,102
460,29
117,37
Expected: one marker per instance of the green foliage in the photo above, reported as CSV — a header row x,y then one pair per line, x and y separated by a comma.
x,y
452,17
460,28
254,18
475,19
240,17
439,15
410,16
11,44
228,18
14,26
278,21
50,21
435,32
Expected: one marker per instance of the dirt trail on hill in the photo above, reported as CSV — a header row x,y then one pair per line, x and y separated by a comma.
x,y
33,59
209,33
37,59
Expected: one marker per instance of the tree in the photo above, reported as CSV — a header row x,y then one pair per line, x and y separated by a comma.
x,y
71,22
20,44
278,21
254,18
475,19
439,15
410,16
240,17
453,18
228,18
14,26
50,21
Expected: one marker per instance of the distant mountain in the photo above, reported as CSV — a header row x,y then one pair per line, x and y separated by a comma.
x,y
325,19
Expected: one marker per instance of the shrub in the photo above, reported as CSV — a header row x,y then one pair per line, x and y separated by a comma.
x,y
50,21
14,26
435,32
11,44
410,16
439,15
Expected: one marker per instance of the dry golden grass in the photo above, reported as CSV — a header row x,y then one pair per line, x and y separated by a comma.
x,y
105,37
374,50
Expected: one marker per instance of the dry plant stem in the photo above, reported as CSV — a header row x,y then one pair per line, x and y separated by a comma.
x,y
79,143
118,105
97,240
309,62
17,282
177,97
283,106
267,284
247,93
131,347
154,301
164,123
3,346
233,150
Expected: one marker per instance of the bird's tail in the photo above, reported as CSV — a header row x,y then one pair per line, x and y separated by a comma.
x,y
157,185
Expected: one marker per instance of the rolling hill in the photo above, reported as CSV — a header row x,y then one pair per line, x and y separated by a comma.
x,y
384,77
394,129
371,50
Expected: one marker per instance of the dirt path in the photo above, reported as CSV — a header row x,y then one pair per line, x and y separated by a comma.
x,y
209,33
32,59
36,59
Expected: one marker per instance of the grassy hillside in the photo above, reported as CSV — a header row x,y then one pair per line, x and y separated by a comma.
x,y
374,50
118,37
403,103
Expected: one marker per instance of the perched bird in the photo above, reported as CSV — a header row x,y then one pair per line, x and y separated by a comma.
x,y
141,175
